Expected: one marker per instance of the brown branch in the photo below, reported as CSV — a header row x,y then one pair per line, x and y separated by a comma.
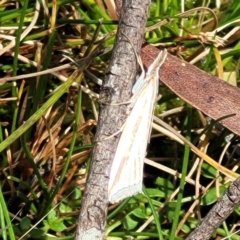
x,y
208,93
117,87
220,211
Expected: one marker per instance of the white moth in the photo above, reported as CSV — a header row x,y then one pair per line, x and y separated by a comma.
x,y
127,167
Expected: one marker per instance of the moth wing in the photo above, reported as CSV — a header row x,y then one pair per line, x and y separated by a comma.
x,y
127,167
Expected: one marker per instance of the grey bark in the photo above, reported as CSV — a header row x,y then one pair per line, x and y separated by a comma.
x,y
220,211
116,88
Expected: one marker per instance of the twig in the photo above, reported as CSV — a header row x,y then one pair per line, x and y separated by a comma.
x,y
220,211
117,88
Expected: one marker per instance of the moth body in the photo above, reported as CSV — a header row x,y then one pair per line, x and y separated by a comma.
x,y
126,173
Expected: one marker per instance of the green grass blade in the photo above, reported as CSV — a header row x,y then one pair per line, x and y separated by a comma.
x,y
74,136
6,216
155,214
59,92
182,181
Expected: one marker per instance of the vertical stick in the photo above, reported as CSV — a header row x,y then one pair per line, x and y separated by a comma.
x,y
117,88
